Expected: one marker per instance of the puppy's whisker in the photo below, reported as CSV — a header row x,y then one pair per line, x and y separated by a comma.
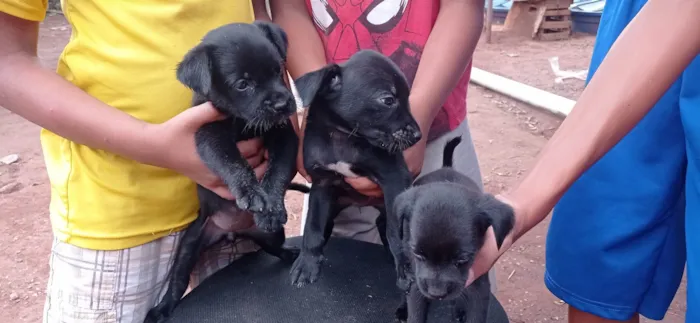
x,y
354,131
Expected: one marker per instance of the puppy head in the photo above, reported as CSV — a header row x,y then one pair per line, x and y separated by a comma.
x,y
238,67
367,96
447,230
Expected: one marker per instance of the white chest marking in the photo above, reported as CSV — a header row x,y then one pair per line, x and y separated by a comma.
x,y
342,168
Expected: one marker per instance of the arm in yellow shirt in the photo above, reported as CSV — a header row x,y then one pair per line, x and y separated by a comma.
x,y
46,99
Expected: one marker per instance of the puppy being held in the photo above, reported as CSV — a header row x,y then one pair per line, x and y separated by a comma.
x,y
443,219
358,124
238,67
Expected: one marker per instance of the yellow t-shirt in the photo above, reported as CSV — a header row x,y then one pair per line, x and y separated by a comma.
x,y
125,54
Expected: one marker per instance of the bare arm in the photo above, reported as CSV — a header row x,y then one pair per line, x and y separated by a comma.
x,y
46,99
646,59
447,53
306,52
42,97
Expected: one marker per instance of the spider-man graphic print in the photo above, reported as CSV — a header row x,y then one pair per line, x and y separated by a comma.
x,y
396,28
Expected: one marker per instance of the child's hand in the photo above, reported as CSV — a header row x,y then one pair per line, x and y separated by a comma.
x,y
414,160
489,252
365,186
175,148
300,154
414,157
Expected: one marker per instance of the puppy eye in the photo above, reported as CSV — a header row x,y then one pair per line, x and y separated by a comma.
x,y
242,85
462,262
388,100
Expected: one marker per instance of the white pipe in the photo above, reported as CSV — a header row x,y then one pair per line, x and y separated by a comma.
x,y
525,93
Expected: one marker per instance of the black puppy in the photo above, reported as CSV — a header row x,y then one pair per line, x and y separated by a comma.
x,y
358,124
238,67
443,220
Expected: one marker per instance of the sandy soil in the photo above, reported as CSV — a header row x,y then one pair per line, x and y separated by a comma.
x,y
508,135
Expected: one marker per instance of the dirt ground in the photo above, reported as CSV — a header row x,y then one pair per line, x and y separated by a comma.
x,y
507,134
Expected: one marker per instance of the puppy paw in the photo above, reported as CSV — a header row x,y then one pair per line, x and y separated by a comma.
x,y
460,315
404,279
306,269
155,315
401,313
273,220
403,283
253,199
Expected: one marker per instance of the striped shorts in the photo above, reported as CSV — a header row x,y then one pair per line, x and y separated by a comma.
x,y
121,286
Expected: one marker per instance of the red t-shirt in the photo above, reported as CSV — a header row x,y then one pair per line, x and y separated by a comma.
x,y
398,29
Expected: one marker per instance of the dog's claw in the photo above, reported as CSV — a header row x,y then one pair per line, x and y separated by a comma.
x,y
254,200
306,269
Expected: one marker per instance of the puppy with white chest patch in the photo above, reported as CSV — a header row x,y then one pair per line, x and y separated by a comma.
x,y
358,124
443,219
238,67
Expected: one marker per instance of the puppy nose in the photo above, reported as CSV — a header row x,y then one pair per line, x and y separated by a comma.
x,y
279,104
414,132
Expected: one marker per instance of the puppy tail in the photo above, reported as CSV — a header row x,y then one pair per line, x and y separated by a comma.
x,y
448,153
299,188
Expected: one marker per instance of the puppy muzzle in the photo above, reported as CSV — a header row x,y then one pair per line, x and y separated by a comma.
x,y
437,289
407,136
283,106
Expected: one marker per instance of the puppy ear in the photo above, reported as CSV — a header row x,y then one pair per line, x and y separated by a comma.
x,y
276,35
498,215
325,81
194,71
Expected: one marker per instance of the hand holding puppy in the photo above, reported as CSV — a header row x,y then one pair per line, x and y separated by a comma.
x,y
414,160
413,156
489,252
175,148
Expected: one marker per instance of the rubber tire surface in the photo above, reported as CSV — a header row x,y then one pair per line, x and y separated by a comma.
x,y
356,286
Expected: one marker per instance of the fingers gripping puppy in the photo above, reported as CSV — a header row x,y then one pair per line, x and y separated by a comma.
x,y
443,219
358,124
238,67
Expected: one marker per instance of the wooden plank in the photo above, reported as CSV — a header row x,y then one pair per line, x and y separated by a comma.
x,y
556,24
538,20
513,16
520,19
559,4
557,12
561,35
489,20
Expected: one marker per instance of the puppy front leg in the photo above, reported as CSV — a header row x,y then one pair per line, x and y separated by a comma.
x,y
186,257
394,179
473,305
220,153
282,146
401,313
317,231
417,306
